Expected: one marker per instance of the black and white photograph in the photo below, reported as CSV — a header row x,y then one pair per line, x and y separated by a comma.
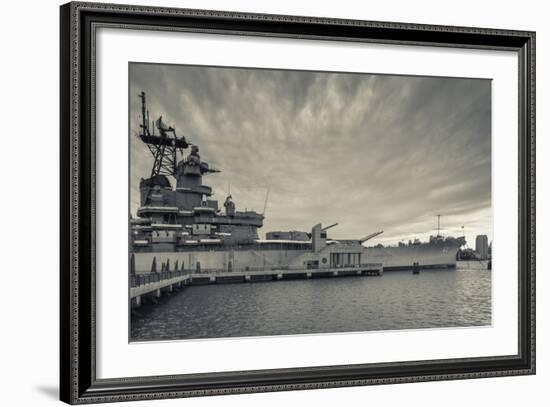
x,y
286,202
282,203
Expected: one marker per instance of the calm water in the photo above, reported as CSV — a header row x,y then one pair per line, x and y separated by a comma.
x,y
397,300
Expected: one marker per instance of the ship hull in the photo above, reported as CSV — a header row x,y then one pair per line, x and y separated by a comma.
x,y
218,260
428,256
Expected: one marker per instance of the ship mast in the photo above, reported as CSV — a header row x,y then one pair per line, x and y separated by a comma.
x,y
266,198
164,146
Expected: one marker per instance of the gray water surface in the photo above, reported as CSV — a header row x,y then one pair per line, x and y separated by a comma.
x,y
458,297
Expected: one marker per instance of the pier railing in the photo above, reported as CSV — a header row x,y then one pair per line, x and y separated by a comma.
x,y
283,269
138,280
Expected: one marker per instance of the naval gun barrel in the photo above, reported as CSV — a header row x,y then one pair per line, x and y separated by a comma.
x,y
328,227
368,237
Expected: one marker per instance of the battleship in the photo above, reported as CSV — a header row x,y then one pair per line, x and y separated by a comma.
x,y
183,226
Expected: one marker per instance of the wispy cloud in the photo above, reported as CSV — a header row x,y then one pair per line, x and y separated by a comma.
x,y
368,151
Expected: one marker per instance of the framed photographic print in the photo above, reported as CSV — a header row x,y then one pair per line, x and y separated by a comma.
x,y
257,203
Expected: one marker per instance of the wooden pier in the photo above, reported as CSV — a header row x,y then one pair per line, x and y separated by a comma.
x,y
154,285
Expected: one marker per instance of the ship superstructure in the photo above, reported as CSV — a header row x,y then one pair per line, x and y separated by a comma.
x,y
173,218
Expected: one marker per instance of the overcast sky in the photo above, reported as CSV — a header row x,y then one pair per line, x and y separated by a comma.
x,y
371,152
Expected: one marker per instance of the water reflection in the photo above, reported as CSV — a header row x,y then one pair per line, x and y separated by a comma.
x,y
397,300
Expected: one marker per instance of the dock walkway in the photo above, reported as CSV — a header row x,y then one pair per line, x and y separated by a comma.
x,y
155,284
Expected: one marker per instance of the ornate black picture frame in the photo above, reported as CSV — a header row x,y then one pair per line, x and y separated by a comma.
x,y
78,381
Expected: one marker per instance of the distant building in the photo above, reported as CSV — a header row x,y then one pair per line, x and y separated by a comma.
x,y
482,246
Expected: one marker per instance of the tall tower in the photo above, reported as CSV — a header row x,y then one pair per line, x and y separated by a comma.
x,y
482,247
